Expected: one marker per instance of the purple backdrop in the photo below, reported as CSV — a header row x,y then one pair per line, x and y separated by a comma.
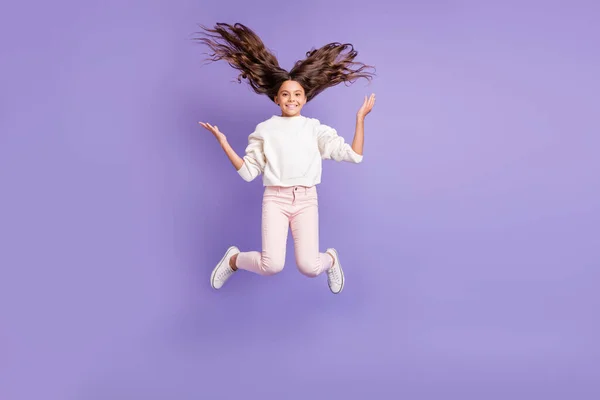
x,y
469,235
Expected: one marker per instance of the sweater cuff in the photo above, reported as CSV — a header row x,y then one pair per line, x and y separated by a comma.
x,y
354,156
244,172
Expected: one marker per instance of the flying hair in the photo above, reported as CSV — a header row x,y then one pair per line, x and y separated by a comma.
x,y
244,50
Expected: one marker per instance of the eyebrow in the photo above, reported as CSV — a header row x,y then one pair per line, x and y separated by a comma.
x,y
287,91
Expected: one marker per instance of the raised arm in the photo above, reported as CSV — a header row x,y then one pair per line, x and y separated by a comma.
x,y
359,132
236,160
252,164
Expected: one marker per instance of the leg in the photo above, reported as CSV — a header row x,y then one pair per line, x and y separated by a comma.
x,y
305,231
275,225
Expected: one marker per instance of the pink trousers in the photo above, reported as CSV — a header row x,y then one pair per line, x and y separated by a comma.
x,y
284,207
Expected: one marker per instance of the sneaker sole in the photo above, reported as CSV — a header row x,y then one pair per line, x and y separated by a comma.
x,y
337,258
214,272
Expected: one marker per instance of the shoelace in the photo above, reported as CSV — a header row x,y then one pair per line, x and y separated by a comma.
x,y
224,273
333,274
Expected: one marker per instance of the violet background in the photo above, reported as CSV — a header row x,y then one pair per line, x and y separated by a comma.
x,y
469,235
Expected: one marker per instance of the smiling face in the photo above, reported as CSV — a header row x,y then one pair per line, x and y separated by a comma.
x,y
290,98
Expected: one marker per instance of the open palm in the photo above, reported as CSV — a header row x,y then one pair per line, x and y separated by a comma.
x,y
215,131
366,107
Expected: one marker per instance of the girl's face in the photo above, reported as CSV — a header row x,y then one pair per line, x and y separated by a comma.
x,y
290,98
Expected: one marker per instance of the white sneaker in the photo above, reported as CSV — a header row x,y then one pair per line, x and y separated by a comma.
x,y
223,271
335,274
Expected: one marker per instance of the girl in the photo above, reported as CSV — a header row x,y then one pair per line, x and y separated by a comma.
x,y
287,149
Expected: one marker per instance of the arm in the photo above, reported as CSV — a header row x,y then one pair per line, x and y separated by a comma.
x,y
253,162
222,139
236,160
359,132
359,136
333,146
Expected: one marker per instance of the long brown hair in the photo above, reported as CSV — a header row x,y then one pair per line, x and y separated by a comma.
x,y
243,50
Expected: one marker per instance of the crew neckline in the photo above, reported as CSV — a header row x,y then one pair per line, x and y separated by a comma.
x,y
282,117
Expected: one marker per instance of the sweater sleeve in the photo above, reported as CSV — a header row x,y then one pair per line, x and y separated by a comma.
x,y
334,147
254,159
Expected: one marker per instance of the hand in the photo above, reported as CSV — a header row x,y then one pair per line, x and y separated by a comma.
x,y
366,107
215,131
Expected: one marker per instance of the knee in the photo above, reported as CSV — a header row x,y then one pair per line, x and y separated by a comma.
x,y
308,267
271,266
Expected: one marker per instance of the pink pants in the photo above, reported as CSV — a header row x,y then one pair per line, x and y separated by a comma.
x,y
284,207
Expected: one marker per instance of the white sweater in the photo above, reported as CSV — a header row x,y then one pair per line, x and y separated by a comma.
x,y
288,151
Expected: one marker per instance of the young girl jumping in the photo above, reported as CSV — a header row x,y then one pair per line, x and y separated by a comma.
x,y
287,149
